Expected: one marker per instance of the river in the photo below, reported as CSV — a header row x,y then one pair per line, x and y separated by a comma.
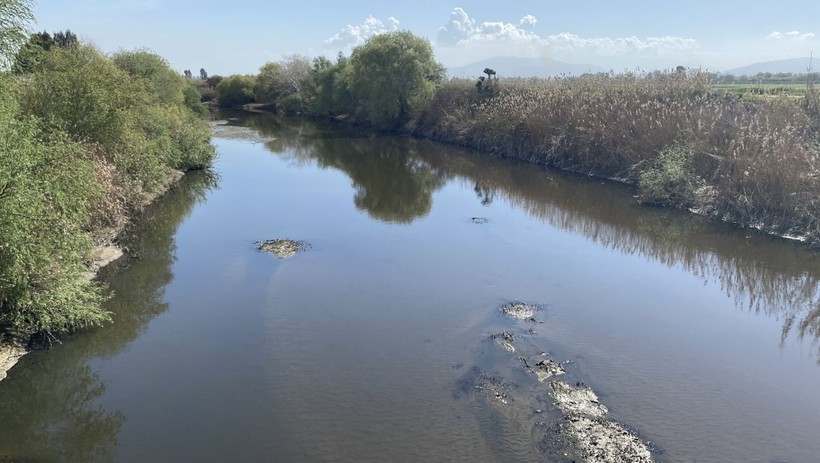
x,y
699,337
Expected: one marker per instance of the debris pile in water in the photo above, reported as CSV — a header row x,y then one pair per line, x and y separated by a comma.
x,y
548,368
283,249
519,310
586,432
504,341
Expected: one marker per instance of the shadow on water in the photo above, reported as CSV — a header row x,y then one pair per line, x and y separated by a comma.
x,y
395,179
49,411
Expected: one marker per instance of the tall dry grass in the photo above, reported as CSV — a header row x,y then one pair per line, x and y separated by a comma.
x,y
754,163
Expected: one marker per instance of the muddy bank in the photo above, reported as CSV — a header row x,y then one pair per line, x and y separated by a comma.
x,y
105,251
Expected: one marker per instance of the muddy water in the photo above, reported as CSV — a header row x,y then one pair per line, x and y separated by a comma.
x,y
369,346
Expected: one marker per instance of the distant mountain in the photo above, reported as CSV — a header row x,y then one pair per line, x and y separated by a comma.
x,y
796,65
512,66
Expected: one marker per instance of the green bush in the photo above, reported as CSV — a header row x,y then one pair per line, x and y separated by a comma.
x,y
83,93
82,140
47,186
153,71
291,104
671,179
235,90
193,101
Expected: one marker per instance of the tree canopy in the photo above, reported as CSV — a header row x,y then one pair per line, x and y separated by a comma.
x,y
15,17
392,75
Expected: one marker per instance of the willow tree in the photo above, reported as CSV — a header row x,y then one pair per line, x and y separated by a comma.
x,y
15,17
391,76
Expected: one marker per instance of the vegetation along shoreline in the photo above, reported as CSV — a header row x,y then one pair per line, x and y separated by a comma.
x,y
87,140
682,138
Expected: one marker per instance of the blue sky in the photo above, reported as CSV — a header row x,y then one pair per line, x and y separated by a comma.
x,y
227,37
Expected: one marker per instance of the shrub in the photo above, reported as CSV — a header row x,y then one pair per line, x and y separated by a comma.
x,y
84,94
47,186
235,90
153,71
671,179
291,104
193,101
82,140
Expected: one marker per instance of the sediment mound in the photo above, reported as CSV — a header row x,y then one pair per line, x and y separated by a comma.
x,y
282,248
519,310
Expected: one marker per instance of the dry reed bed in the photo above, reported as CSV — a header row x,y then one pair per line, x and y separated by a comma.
x,y
752,163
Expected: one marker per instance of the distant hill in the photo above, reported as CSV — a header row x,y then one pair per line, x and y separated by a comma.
x,y
512,66
796,65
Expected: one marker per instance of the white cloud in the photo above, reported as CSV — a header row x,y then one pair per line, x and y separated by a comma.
x,y
610,46
793,35
500,38
462,30
528,20
459,27
351,35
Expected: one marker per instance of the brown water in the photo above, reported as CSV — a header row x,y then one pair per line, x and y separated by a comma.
x,y
700,337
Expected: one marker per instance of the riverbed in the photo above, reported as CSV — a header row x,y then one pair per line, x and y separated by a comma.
x,y
375,343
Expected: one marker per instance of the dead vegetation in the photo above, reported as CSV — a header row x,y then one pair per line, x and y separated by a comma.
x,y
684,142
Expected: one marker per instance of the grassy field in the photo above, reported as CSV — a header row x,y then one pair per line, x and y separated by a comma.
x,y
753,91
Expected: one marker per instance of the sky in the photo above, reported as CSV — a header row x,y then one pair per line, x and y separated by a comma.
x,y
237,37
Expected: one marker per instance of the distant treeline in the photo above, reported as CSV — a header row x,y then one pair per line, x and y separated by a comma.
x,y
85,138
681,137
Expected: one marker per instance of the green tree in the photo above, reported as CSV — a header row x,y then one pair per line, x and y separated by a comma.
x,y
28,57
236,90
15,17
155,73
392,75
66,38
213,81
31,53
271,83
332,91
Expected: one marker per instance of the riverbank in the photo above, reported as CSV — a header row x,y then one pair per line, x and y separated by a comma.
x,y
680,142
678,137
106,250
71,179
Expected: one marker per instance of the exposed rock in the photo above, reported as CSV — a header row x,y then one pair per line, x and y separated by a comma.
x,y
9,355
519,310
601,441
504,341
283,248
580,400
479,220
596,439
100,257
547,369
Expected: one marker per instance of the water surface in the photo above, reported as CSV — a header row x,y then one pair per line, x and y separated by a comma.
x,y
700,337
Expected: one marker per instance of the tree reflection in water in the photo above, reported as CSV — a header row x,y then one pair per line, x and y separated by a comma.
x,y
49,406
395,179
